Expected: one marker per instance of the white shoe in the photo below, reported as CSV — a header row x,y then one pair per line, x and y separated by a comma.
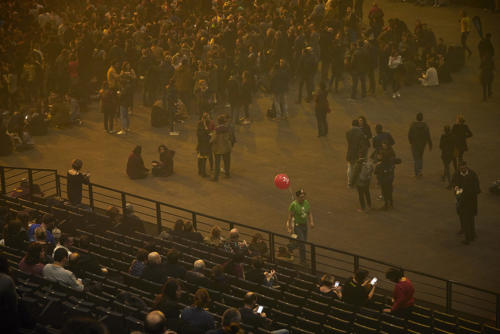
x,y
394,95
398,95
122,132
245,122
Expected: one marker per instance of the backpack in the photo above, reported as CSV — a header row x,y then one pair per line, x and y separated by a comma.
x,y
365,174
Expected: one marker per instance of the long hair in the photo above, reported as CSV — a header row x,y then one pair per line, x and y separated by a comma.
x,y
33,253
168,292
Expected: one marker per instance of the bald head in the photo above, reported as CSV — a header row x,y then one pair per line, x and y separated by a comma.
x,y
155,323
234,234
154,257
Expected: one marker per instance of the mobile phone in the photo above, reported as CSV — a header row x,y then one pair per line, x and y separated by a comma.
x,y
374,281
260,308
336,285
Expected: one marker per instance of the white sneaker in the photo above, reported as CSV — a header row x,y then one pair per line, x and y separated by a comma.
x,y
393,95
122,132
398,95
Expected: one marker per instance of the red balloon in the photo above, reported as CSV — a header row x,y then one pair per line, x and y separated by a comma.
x,y
282,181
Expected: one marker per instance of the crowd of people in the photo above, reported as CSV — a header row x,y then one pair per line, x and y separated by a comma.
x,y
187,58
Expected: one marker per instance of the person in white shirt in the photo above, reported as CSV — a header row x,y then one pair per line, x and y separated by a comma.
x,y
395,66
56,272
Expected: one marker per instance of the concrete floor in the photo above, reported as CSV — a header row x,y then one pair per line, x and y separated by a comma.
x,y
420,233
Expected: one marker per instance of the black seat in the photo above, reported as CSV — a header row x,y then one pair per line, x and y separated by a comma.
x,y
421,318
465,330
293,298
360,329
490,330
422,310
299,330
287,307
469,324
342,314
133,324
282,317
392,329
339,323
387,317
444,325
309,325
313,315
219,307
332,330
298,291
367,321
418,327
232,300
114,321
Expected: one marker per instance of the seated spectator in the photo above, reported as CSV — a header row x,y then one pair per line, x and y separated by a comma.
x,y
173,267
154,270
82,325
178,230
357,290
56,272
164,167
24,190
47,224
139,263
130,221
190,233
215,238
259,275
196,275
249,315
66,242
284,255
327,287
31,263
430,77
14,234
235,265
230,323
402,296
156,323
135,165
258,247
113,214
234,244
9,299
218,277
167,302
196,317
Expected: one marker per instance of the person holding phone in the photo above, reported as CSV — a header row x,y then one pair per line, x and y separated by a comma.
x,y
329,287
300,215
249,312
358,290
402,301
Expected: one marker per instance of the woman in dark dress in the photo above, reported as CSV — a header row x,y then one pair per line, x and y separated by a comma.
x,y
461,132
75,181
203,147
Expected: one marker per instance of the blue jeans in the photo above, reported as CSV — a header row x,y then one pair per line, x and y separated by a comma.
x,y
124,117
418,159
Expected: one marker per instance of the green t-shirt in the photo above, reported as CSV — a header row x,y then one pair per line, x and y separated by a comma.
x,y
300,211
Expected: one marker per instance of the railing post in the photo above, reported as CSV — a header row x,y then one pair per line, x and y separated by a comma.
x,y
158,217
356,263
448,296
91,196
30,181
58,185
124,204
271,247
498,312
2,179
313,259
231,226
193,219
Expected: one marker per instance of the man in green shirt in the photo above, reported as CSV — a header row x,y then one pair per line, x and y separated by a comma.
x,y
299,214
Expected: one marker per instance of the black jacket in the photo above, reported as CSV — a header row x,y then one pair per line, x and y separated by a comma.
x,y
419,135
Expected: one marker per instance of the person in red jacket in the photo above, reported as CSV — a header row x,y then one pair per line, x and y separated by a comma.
x,y
402,296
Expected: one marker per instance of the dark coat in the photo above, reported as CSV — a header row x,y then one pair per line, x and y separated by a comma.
x,y
203,147
321,106
135,166
467,201
355,143
419,135
447,144
461,132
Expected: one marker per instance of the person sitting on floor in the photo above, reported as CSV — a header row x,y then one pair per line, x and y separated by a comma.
x,y
135,164
430,77
164,167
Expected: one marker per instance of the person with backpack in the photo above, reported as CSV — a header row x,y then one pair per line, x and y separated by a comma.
x,y
363,171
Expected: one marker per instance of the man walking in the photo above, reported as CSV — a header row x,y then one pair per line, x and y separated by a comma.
x,y
222,143
467,188
465,28
299,215
419,136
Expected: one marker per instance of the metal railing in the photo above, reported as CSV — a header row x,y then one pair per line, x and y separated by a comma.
x,y
450,295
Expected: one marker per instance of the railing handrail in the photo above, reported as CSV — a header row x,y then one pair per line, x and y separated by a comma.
x,y
356,257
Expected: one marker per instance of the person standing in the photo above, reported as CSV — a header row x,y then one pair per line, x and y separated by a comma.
x,y
108,105
486,75
419,136
465,28
467,188
356,144
447,144
384,170
299,216
306,71
363,171
322,108
485,47
381,136
75,180
203,147
222,143
279,87
461,132
359,64
396,68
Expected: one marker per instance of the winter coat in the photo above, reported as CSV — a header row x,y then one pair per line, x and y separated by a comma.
x,y
356,143
467,200
419,135
221,140
448,144
461,133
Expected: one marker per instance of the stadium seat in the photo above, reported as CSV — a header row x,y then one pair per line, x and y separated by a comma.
x,y
297,291
469,324
418,327
436,330
391,329
309,325
293,299
389,318
444,325
313,315
422,310
490,330
421,318
133,324
332,330
367,321
342,305
316,305
444,316
266,301
342,314
287,307
338,323
465,330
282,317
219,307
303,284
299,330
360,329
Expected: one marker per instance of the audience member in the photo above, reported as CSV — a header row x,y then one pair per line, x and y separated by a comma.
x,y
173,267
135,164
56,272
215,238
196,317
402,296
31,263
357,290
190,233
139,263
154,270
47,224
9,299
66,241
327,287
167,302
196,275
230,323
234,244
258,247
75,180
